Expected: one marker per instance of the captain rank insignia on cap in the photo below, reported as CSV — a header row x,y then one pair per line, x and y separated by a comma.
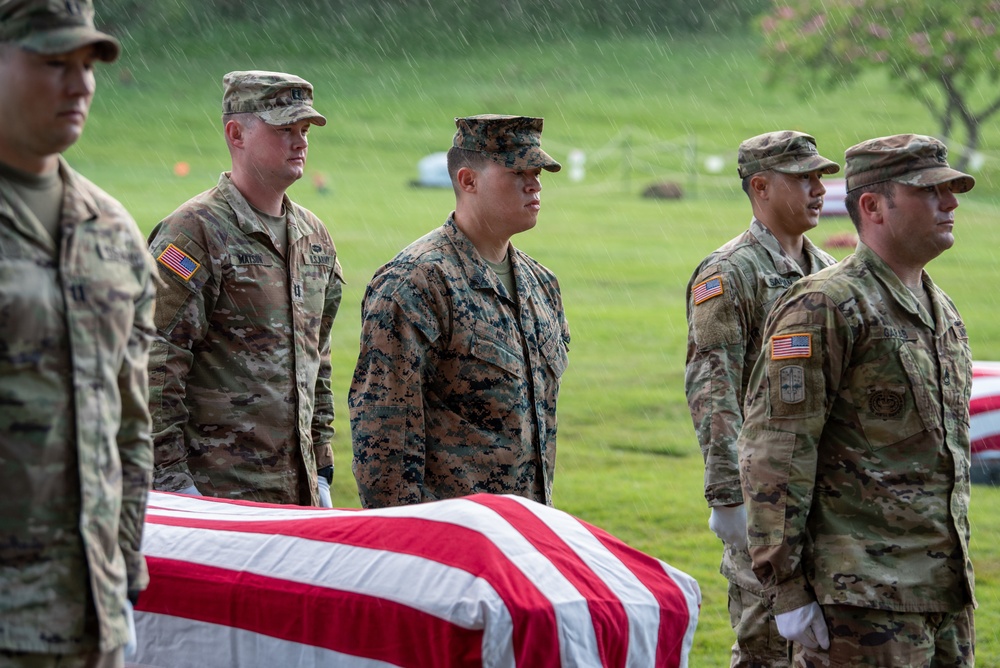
x,y
179,262
707,289
789,346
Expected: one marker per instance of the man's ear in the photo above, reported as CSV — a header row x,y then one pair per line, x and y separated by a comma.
x,y
870,205
465,179
758,185
235,133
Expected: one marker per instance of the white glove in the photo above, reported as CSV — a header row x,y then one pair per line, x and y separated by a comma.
x,y
730,525
324,493
805,626
132,644
190,491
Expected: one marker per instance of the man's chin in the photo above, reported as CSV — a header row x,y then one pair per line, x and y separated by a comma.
x,y
808,223
64,140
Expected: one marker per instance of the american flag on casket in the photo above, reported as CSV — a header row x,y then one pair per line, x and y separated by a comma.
x,y
984,410
485,580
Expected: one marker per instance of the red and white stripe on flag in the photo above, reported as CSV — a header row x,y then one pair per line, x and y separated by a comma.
x,y
485,580
984,409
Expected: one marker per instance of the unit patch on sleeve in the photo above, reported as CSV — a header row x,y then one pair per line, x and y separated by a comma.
x,y
792,384
789,346
179,262
707,289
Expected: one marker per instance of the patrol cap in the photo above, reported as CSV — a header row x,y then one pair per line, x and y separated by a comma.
x,y
51,27
784,151
275,97
913,160
512,141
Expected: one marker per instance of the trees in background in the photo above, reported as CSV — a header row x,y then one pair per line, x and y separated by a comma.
x,y
946,55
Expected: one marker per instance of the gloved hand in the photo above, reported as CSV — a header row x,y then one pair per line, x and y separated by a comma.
x,y
324,493
132,644
729,523
805,626
190,491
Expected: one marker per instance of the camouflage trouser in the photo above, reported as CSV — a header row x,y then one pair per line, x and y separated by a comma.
x,y
884,638
113,659
758,643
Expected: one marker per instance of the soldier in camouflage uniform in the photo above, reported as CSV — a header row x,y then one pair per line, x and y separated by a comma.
x,y
76,319
728,297
854,455
464,339
240,372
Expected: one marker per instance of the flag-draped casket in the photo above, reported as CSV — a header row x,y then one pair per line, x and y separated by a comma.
x,y
984,423
479,581
984,408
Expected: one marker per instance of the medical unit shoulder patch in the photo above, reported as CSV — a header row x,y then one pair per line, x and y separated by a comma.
x,y
789,346
707,289
179,262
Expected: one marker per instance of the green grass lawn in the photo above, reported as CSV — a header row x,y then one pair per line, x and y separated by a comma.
x,y
628,460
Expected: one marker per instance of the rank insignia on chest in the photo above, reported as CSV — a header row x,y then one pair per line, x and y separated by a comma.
x,y
707,289
789,346
179,262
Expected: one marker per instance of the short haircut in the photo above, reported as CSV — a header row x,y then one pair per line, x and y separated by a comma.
x,y
244,118
745,183
461,157
885,188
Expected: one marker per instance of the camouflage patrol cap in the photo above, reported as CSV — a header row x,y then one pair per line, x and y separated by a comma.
x,y
512,141
913,160
784,151
51,27
275,97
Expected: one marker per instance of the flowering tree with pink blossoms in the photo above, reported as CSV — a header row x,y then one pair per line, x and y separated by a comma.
x,y
944,54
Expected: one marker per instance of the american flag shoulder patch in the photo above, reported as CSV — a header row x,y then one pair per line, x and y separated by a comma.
x,y
179,262
707,289
788,346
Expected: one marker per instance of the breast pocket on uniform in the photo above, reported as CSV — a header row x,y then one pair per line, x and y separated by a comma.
x,y
112,274
555,353
316,265
493,347
105,280
889,397
956,371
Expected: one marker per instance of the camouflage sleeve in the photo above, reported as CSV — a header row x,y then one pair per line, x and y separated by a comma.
x,y
713,377
135,445
182,308
398,331
323,410
788,401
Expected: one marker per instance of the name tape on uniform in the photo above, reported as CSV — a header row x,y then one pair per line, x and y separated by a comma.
x,y
179,262
788,346
707,289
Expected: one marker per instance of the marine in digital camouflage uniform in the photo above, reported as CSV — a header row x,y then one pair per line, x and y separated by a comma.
x,y
76,319
240,372
728,298
854,455
464,339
